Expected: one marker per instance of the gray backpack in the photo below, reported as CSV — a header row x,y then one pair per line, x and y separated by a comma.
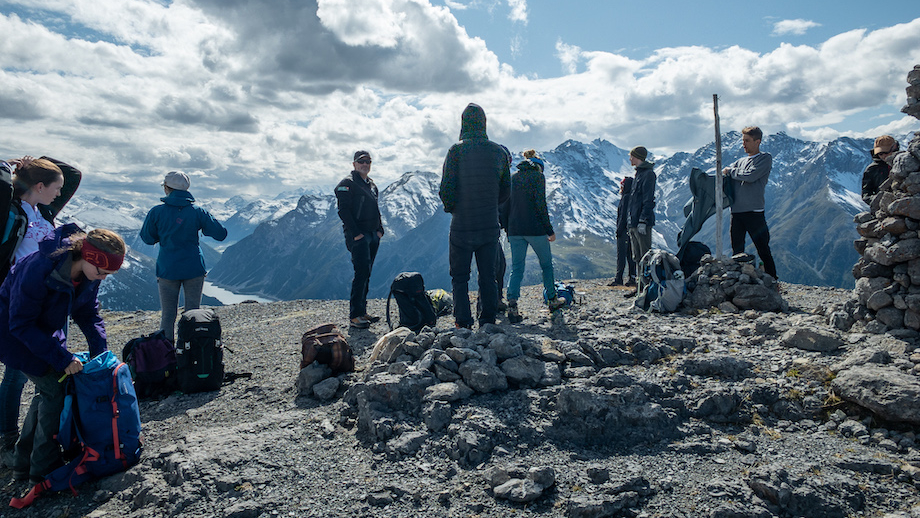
x,y
661,282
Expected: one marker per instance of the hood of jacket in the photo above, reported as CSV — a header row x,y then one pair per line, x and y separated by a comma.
x,y
178,198
473,122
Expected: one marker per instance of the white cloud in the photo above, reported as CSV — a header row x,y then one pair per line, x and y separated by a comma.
x,y
795,27
518,12
263,96
569,56
369,22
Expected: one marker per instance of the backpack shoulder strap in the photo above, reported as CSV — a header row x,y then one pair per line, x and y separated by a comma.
x,y
389,320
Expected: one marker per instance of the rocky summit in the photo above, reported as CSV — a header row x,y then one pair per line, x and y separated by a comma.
x,y
596,410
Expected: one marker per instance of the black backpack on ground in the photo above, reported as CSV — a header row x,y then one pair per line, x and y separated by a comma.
x,y
153,363
691,255
415,308
199,352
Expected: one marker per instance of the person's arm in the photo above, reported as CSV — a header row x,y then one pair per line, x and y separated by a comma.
x,y
539,202
72,178
647,214
504,181
448,189
87,317
150,233
210,226
344,198
27,297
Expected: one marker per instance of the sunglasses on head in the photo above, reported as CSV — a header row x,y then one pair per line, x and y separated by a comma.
x,y
363,161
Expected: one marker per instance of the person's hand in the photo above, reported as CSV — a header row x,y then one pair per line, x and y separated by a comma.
x,y
641,228
22,162
551,238
74,367
379,235
358,237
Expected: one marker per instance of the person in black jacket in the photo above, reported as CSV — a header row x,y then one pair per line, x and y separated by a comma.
x,y
877,172
529,224
641,203
476,179
624,252
356,197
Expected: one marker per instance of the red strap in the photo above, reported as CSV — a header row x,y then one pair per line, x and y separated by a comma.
x,y
116,443
26,501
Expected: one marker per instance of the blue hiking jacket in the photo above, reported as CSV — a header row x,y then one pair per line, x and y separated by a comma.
x,y
175,225
35,300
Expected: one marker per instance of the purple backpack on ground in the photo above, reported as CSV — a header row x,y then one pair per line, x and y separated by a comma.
x,y
153,363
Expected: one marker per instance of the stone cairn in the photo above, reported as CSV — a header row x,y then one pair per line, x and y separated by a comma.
x,y
732,285
888,273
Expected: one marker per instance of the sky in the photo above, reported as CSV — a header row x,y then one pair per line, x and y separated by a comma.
x,y
258,97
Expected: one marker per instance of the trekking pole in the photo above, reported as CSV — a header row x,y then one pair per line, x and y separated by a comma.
x,y
718,189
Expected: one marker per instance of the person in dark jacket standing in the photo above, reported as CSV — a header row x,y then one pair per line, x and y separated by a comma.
x,y
877,172
180,264
749,176
641,203
475,181
624,252
41,294
529,224
356,197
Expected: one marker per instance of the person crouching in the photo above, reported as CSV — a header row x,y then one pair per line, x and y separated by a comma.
x,y
43,291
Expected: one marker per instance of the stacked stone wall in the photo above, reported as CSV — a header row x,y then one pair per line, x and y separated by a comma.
x,y
888,271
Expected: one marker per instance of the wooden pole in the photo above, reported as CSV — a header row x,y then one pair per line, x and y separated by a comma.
x,y
718,193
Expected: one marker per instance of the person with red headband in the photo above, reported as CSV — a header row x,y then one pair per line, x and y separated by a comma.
x,y
37,299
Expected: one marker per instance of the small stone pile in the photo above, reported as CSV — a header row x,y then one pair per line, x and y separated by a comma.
x,y
913,93
888,273
732,286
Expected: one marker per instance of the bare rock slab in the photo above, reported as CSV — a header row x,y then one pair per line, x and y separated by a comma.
x,y
890,393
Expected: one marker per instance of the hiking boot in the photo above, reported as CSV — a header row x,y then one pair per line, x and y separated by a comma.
x,y
514,315
373,319
630,282
502,306
555,303
8,450
458,325
20,476
360,323
630,293
616,282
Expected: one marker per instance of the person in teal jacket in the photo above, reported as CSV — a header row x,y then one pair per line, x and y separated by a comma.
x,y
175,225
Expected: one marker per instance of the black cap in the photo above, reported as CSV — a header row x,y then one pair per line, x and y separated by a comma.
x,y
362,154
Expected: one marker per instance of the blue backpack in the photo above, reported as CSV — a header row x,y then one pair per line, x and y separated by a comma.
x,y
100,418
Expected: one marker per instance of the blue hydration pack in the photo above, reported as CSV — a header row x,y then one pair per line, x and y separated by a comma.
x,y
100,420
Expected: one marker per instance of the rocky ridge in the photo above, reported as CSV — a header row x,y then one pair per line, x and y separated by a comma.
x,y
596,410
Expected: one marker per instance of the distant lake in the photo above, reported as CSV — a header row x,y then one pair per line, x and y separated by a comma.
x,y
227,297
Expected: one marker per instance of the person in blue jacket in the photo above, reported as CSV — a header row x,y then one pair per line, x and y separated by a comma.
x,y
175,225
43,291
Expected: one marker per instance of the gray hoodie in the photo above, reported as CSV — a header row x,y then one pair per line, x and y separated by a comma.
x,y
749,178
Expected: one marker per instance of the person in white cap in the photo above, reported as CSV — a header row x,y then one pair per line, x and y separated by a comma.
x,y
175,225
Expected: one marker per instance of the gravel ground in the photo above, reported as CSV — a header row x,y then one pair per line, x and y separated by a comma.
x,y
256,448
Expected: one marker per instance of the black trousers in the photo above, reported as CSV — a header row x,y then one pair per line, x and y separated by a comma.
x,y
755,225
363,253
624,257
463,246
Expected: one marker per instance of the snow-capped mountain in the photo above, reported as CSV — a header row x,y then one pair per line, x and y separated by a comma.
x,y
811,198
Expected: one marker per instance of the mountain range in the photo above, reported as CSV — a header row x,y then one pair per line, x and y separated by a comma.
x,y
292,246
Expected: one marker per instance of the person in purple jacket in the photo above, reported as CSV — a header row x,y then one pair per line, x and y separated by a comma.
x,y
44,291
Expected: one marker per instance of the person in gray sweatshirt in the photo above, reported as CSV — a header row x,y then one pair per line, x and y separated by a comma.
x,y
749,176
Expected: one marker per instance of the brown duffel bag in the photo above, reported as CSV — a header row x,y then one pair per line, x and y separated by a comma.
x,y
325,344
